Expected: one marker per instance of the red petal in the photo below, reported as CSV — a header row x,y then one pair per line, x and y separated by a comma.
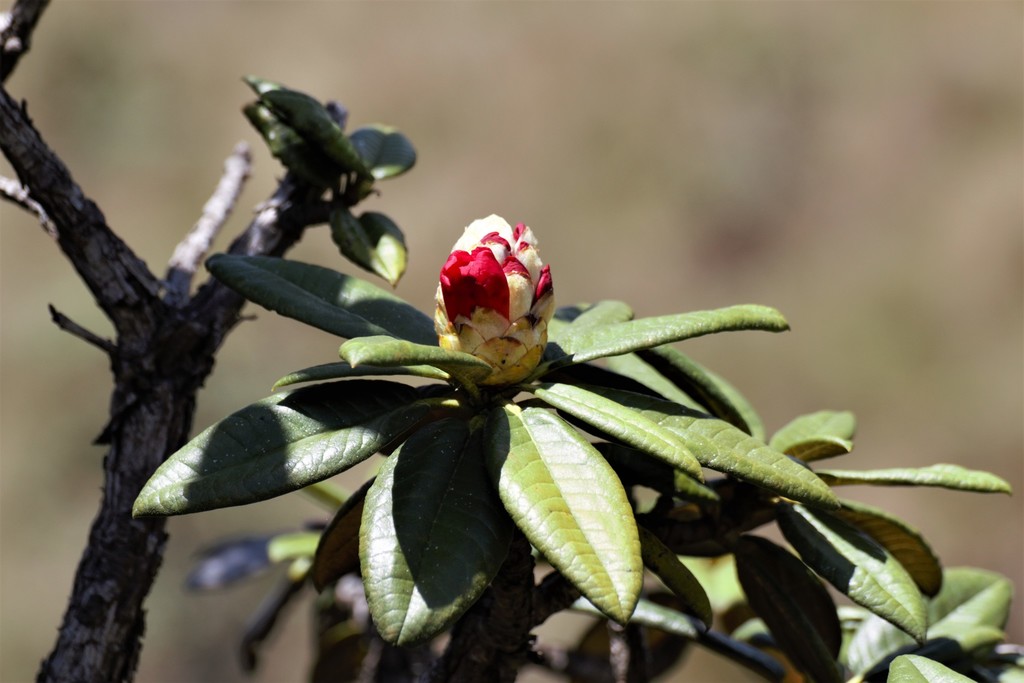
x,y
543,283
471,280
514,265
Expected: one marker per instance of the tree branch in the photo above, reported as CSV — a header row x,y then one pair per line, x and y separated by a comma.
x,y
16,28
188,254
13,191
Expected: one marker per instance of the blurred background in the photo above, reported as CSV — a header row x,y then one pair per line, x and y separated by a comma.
x,y
858,166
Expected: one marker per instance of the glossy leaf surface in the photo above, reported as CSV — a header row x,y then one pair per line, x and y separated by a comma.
x,y
433,534
372,242
387,351
720,446
856,566
944,476
623,423
917,669
817,435
793,603
336,303
298,156
281,444
384,150
569,504
590,342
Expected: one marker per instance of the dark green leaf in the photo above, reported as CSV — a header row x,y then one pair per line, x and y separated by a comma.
x,y
281,444
338,552
856,565
904,542
372,242
390,352
632,366
298,156
433,534
623,423
598,341
944,476
675,575
917,669
384,150
711,391
795,606
336,303
311,120
636,468
569,504
815,436
720,446
342,370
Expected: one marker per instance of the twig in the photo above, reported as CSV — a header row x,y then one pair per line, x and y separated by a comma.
x,y
191,250
16,28
13,191
68,325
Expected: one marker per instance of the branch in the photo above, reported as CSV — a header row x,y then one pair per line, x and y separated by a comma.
x,y
16,28
68,325
13,191
218,208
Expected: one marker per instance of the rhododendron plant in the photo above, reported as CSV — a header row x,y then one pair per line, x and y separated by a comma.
x,y
495,299
579,440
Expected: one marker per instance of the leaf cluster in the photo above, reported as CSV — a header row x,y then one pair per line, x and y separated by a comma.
x,y
633,472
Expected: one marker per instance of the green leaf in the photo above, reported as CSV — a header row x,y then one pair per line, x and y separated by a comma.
x,y
623,423
856,565
342,370
281,444
372,242
433,534
944,476
720,446
904,542
293,545
590,342
815,436
793,604
599,314
336,303
311,120
389,352
653,615
385,151
568,502
711,391
969,597
636,468
675,575
917,669
634,367
298,156
338,551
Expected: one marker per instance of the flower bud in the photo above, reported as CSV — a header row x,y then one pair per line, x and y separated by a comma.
x,y
495,299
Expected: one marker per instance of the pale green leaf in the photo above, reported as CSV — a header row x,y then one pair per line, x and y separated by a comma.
x,y
712,392
433,534
342,370
384,351
598,341
970,597
664,563
720,446
856,565
623,423
917,669
634,367
817,435
293,545
905,543
944,476
281,444
568,502
336,303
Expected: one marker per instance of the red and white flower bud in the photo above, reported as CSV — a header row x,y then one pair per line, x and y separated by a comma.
x,y
495,299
